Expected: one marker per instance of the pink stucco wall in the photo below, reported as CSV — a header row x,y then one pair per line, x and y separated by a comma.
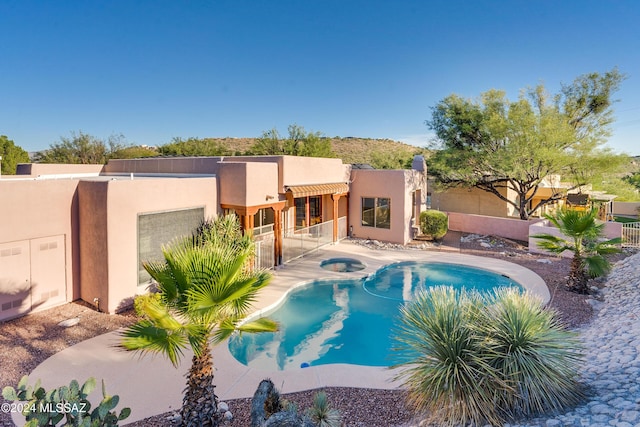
x,y
248,183
34,209
108,229
164,165
510,228
36,169
396,185
473,201
626,208
312,170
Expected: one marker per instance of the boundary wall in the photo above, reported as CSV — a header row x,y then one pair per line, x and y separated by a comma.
x,y
508,228
626,208
611,231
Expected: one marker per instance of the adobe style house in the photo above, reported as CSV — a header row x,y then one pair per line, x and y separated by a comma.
x,y
82,231
475,201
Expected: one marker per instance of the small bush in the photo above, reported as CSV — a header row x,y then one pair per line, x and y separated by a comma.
x,y
434,224
140,300
321,413
469,359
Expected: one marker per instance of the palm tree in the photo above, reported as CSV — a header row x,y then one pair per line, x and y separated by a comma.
x,y
583,236
206,289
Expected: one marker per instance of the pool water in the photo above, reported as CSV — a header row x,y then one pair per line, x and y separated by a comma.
x,y
350,321
342,265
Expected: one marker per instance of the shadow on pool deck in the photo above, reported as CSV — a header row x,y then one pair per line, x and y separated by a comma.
x,y
151,385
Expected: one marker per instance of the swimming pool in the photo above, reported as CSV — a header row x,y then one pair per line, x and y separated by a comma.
x,y
350,320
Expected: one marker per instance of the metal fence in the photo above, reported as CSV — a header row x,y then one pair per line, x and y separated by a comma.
x,y
265,229
297,243
264,256
343,233
631,234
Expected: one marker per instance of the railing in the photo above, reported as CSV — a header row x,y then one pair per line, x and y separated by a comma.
x,y
297,243
631,235
342,228
263,230
264,251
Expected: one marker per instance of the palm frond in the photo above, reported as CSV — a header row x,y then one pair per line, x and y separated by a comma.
x,y
596,265
146,337
262,324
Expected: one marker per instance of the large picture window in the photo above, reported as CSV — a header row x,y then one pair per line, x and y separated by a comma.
x,y
376,212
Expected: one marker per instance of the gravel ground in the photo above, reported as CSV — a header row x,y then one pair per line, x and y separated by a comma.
x,y
27,341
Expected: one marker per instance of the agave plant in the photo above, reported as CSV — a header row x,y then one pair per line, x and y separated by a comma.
x,y
533,353
445,361
321,413
583,236
467,359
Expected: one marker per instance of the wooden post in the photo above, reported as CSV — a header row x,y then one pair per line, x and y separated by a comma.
x,y
335,198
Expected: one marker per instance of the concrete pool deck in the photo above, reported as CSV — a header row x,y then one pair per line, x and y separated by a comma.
x,y
150,385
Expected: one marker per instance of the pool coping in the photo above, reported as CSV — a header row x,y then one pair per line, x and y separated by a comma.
x,y
345,375
133,377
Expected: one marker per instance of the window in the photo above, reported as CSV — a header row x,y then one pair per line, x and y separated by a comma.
x,y
376,212
160,228
308,211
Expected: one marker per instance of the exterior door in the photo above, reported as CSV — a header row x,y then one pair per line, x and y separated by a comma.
x,y
32,275
48,276
15,284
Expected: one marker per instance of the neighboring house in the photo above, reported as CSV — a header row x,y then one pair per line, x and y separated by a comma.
x,y
475,201
82,231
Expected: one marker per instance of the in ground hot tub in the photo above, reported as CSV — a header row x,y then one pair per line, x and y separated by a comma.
x,y
342,265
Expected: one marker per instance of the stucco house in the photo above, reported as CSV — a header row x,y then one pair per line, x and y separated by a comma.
x,y
475,201
82,231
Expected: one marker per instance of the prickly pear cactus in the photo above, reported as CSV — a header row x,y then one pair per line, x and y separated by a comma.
x,y
68,405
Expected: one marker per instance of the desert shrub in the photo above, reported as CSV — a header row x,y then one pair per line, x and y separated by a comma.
x,y
434,223
321,412
446,364
141,300
534,354
469,359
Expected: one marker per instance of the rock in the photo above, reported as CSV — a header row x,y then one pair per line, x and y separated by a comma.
x,y
544,261
223,407
228,415
175,418
485,245
69,322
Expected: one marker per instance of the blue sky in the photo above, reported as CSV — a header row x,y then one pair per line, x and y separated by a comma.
x,y
154,70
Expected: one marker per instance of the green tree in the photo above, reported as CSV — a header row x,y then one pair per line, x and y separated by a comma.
x,y
382,159
269,143
11,155
298,143
582,235
206,290
494,144
82,148
194,147
133,152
